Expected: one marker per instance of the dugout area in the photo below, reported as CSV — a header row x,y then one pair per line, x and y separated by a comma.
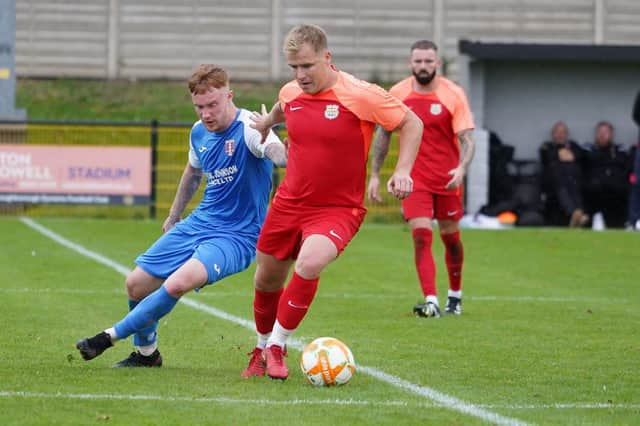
x,y
518,90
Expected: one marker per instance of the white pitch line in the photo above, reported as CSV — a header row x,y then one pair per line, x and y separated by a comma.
x,y
442,399
75,247
338,402
219,399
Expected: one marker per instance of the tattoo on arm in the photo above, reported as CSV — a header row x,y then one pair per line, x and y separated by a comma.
x,y
188,186
467,147
380,149
277,153
192,185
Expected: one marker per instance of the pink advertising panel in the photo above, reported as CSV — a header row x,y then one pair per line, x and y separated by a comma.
x,y
55,174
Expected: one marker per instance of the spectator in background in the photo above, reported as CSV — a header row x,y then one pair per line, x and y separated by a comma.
x,y
562,161
607,169
634,202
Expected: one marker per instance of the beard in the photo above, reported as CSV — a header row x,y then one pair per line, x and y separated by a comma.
x,y
424,77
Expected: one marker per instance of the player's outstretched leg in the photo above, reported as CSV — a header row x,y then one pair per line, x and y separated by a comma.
x,y
91,347
145,340
149,310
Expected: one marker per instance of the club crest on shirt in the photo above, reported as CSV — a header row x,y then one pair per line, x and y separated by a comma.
x,y
331,112
229,147
436,109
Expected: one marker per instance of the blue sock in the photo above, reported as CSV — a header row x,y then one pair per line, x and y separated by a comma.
x,y
149,310
148,335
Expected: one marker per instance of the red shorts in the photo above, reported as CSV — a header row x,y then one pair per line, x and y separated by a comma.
x,y
288,225
433,206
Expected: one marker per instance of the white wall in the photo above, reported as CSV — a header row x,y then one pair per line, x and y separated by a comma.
x,y
371,38
523,99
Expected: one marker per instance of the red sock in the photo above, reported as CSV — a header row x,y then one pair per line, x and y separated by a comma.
x,y
454,255
265,308
295,301
425,265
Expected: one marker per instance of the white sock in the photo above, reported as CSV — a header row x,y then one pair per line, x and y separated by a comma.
x,y
112,334
279,335
431,298
148,350
457,294
262,340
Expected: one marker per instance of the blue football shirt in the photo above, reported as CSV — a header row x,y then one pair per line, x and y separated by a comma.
x,y
236,174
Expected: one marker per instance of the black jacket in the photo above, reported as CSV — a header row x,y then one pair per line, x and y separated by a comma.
x,y
553,168
607,169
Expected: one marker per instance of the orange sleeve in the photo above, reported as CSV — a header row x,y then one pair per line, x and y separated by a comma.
x,y
454,99
402,89
370,102
288,92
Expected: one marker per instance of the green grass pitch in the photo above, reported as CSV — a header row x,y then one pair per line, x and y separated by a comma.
x,y
549,335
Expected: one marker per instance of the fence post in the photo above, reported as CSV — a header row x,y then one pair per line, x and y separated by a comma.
x,y
113,40
7,62
438,24
154,167
274,45
598,21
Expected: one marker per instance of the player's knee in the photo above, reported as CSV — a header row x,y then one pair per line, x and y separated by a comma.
x,y
309,267
264,281
271,273
135,288
448,227
140,284
177,287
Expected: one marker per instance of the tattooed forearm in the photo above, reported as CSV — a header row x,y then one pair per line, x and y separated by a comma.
x,y
277,153
380,149
192,186
188,186
467,147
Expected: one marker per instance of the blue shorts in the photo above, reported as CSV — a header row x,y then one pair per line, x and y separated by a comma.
x,y
222,253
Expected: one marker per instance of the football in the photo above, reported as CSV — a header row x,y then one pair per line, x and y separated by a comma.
x,y
327,362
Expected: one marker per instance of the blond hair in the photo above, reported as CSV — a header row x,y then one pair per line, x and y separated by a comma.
x,y
309,34
207,76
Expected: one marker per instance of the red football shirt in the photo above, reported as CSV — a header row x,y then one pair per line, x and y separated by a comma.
x,y
444,112
329,138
